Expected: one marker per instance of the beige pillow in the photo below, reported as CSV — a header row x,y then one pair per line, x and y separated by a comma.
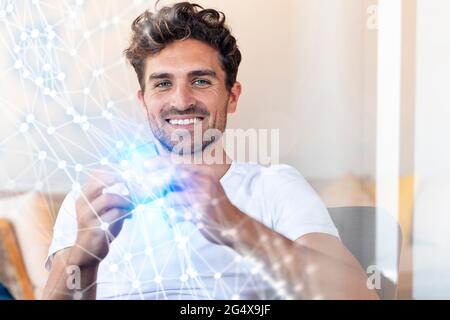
x,y
348,191
32,221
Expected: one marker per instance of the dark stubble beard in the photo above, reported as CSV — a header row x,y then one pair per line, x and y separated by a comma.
x,y
164,138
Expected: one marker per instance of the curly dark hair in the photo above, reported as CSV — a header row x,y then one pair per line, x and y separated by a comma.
x,y
152,32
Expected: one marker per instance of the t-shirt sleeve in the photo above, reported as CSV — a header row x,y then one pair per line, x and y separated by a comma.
x,y
295,207
65,228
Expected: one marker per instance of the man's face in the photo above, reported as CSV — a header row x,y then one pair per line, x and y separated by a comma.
x,y
185,89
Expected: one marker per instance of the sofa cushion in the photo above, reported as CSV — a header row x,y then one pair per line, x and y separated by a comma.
x,y
348,191
32,218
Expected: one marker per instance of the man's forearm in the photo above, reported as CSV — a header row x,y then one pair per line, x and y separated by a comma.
x,y
299,271
68,280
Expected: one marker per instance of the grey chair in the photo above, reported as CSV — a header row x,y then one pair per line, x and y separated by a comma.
x,y
357,229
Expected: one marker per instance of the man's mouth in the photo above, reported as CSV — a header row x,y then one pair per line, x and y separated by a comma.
x,y
184,121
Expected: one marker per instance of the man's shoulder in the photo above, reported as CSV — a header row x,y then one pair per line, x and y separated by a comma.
x,y
272,176
277,170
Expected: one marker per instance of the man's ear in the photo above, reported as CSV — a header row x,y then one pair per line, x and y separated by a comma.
x,y
140,97
235,93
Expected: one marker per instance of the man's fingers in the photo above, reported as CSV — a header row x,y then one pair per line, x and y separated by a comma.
x,y
114,215
97,182
173,216
153,185
109,201
180,199
180,206
112,221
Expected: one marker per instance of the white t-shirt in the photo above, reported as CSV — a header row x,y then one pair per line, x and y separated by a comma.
x,y
151,260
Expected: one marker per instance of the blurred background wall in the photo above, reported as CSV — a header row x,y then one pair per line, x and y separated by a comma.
x,y
307,69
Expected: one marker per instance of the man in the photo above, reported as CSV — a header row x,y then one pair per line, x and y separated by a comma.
x,y
236,231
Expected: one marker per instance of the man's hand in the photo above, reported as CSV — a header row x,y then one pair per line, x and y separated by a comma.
x,y
199,197
100,218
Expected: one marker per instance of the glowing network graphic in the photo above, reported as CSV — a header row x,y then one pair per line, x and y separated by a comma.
x,y
67,94
68,106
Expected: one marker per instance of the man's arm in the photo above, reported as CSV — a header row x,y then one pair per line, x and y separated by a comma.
x,y
65,282
315,266
99,218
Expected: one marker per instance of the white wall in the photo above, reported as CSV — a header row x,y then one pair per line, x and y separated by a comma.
x,y
304,71
432,154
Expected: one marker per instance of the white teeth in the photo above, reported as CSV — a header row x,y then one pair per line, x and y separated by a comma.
x,y
184,121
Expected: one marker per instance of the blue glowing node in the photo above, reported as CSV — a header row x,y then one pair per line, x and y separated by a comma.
x,y
35,33
184,278
148,251
18,64
70,111
24,127
128,256
23,36
119,144
76,186
42,155
85,126
9,8
62,164
30,118
113,268
61,76
39,81
51,130
25,74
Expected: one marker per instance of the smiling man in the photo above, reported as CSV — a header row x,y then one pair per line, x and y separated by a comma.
x,y
235,230
185,86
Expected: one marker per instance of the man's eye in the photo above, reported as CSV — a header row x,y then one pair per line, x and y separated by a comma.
x,y
163,84
202,82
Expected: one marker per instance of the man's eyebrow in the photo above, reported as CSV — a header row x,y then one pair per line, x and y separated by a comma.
x,y
204,72
158,76
195,73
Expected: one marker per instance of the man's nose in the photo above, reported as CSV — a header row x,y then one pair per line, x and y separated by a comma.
x,y
182,97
